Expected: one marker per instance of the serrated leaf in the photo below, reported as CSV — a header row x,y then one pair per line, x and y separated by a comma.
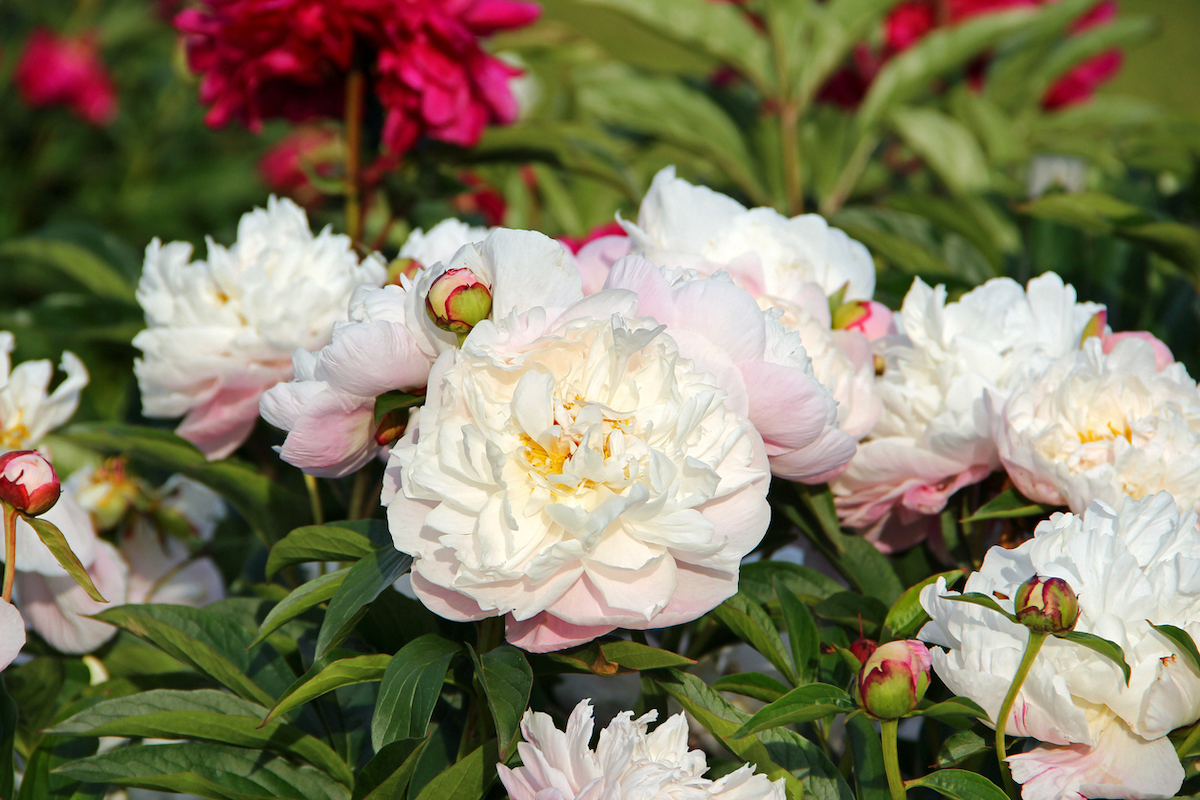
x,y
335,541
961,746
324,678
301,599
959,784
411,686
203,714
56,543
637,656
365,581
803,704
394,401
906,615
750,623
804,638
1009,504
954,707
507,680
752,684
209,770
978,599
1110,650
468,779
1181,639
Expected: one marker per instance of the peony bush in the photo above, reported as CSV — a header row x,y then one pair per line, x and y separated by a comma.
x,y
532,385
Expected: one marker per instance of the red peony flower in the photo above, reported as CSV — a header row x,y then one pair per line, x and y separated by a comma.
x,y
908,24
285,168
66,71
289,58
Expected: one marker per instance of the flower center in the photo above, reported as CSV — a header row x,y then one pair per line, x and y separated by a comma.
x,y
1111,434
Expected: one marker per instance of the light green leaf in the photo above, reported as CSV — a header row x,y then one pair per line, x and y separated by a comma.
x,y
335,541
411,686
869,775
806,703
325,678
637,656
954,707
56,543
393,401
753,625
961,746
468,779
958,784
1110,650
752,684
387,775
77,263
906,614
803,636
1182,640
299,600
948,147
1009,504
978,599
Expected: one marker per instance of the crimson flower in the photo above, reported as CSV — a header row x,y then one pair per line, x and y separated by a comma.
x,y
66,70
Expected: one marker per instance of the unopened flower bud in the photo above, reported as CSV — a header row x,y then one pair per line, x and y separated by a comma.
x,y
862,648
871,319
893,679
28,483
1096,326
1047,605
458,301
391,427
406,267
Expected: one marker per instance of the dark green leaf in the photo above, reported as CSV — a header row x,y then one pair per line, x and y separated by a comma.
x,y
752,684
754,626
507,681
869,776
803,636
1008,504
849,609
1092,211
77,263
411,686
806,703
637,656
959,784
469,779
1182,640
336,541
56,543
954,707
8,738
386,776
906,614
362,584
301,599
324,678
40,781
209,770
978,599
392,401
1110,650
961,746
757,581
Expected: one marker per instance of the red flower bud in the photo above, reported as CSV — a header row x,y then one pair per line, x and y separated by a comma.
x,y
862,648
871,319
1048,605
458,301
893,679
28,483
391,427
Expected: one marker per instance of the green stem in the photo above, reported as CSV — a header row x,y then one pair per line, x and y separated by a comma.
x,y
1032,646
891,763
850,175
314,499
489,634
358,494
789,136
1187,744
10,550
355,92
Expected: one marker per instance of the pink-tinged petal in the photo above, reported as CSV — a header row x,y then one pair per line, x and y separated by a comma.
x,y
596,259
333,437
636,274
726,314
700,591
58,608
545,633
368,359
1038,488
877,322
1120,765
819,462
789,408
219,426
12,633
930,498
1163,357
161,570
447,603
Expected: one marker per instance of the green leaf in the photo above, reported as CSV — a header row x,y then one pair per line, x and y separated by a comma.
x,y
803,704
869,775
975,598
637,656
959,784
1081,45
1110,650
365,581
411,686
803,636
40,779
8,738
336,541
56,543
752,684
849,609
209,770
1093,212
757,581
906,615
1172,240
507,680
870,571
324,678
902,253
77,263
943,51
948,147
211,644
392,401
299,600
269,508
468,779
954,707
961,746
1007,505
387,775
204,714
836,27
1182,640
753,625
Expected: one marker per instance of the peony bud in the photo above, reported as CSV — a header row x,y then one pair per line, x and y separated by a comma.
x,y
406,267
862,648
1047,605
391,427
458,301
871,319
28,483
893,680
1096,326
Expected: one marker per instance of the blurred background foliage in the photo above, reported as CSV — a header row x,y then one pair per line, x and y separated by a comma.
x,y
946,166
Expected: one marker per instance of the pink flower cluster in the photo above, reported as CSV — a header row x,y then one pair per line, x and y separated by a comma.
x,y
67,71
290,59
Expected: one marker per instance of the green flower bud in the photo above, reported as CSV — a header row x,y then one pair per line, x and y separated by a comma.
x,y
458,301
1047,605
893,680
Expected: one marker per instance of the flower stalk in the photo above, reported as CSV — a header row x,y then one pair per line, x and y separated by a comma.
x,y
355,92
10,550
891,761
1036,639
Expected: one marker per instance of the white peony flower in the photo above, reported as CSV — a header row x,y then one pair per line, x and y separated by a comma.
x,y
1130,567
681,225
627,764
576,475
1096,426
441,242
222,331
934,435
28,409
12,633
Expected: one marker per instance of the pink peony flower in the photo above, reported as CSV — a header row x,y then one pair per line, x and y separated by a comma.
x,y
66,71
27,482
290,58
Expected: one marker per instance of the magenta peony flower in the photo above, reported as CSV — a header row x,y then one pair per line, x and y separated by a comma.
x,y
66,71
289,58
